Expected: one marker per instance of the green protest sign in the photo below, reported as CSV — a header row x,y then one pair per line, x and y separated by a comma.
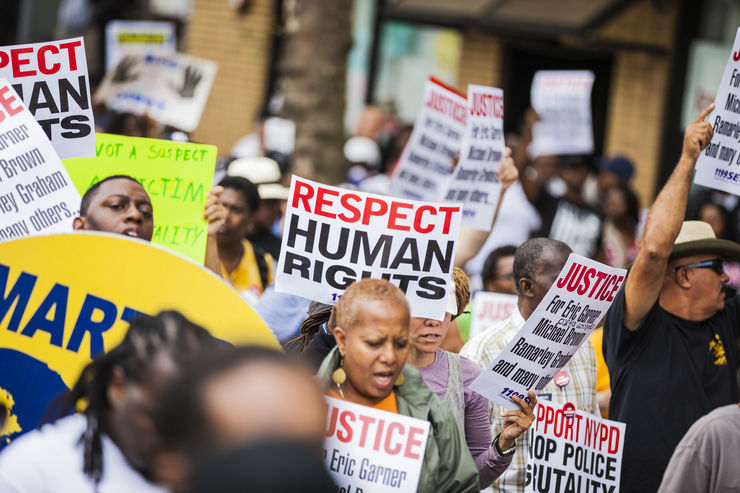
x,y
176,175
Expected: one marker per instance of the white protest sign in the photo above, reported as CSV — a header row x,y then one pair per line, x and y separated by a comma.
x,y
368,450
333,237
578,299
424,167
489,309
571,450
36,193
718,165
562,99
475,181
137,37
172,89
51,79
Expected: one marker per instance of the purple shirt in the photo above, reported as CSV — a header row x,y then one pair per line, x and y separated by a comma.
x,y
477,425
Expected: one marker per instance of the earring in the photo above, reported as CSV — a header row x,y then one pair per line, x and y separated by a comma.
x,y
339,376
399,380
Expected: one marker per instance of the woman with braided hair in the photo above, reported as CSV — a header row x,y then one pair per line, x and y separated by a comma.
x,y
449,375
108,447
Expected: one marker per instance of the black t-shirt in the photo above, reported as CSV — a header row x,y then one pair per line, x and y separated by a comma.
x,y
576,225
665,376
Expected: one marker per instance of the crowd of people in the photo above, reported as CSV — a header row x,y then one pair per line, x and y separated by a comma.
x,y
171,408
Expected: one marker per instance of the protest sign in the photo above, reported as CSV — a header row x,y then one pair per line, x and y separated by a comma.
x,y
177,176
718,165
137,37
572,308
573,451
562,99
475,181
59,310
333,237
424,167
172,89
51,79
36,193
489,309
368,450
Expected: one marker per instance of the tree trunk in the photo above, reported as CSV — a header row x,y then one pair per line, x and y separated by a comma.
x,y
311,76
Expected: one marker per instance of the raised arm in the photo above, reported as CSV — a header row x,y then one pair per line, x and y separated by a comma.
x,y
471,240
645,280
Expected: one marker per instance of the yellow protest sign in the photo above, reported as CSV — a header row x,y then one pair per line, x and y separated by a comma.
x,y
177,176
65,298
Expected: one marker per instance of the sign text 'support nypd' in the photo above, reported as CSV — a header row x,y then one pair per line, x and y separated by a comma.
x,y
718,165
425,165
489,309
578,299
475,181
573,451
36,193
172,89
51,79
334,237
562,99
368,450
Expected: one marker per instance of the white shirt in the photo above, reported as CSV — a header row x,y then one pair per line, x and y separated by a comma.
x,y
51,460
516,220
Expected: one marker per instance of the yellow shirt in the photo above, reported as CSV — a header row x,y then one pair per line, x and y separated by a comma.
x,y
602,372
246,276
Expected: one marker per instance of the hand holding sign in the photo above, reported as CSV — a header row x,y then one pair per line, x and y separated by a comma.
x,y
517,421
508,174
215,212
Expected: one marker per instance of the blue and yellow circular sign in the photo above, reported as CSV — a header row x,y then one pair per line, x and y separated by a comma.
x,y
65,298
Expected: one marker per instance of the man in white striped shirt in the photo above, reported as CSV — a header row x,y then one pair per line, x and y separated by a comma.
x,y
537,263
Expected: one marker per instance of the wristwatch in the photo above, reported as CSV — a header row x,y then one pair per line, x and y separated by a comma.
x,y
504,453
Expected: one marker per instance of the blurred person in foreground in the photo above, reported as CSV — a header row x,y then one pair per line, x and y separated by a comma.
x,y
449,375
368,367
706,457
120,204
537,263
110,445
669,337
237,419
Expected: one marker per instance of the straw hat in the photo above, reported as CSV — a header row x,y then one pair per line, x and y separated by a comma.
x,y
697,237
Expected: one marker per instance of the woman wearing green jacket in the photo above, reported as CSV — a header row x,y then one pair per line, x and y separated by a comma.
x,y
368,367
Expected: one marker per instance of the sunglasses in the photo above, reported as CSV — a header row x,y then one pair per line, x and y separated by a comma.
x,y
717,265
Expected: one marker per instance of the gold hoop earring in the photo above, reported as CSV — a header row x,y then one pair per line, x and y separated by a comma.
x,y
339,377
399,380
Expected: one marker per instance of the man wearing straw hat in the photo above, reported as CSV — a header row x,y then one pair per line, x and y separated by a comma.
x,y
669,338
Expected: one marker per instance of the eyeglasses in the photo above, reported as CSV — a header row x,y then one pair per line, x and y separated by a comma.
x,y
717,265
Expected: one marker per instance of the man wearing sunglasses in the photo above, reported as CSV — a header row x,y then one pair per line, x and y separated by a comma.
x,y
669,337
